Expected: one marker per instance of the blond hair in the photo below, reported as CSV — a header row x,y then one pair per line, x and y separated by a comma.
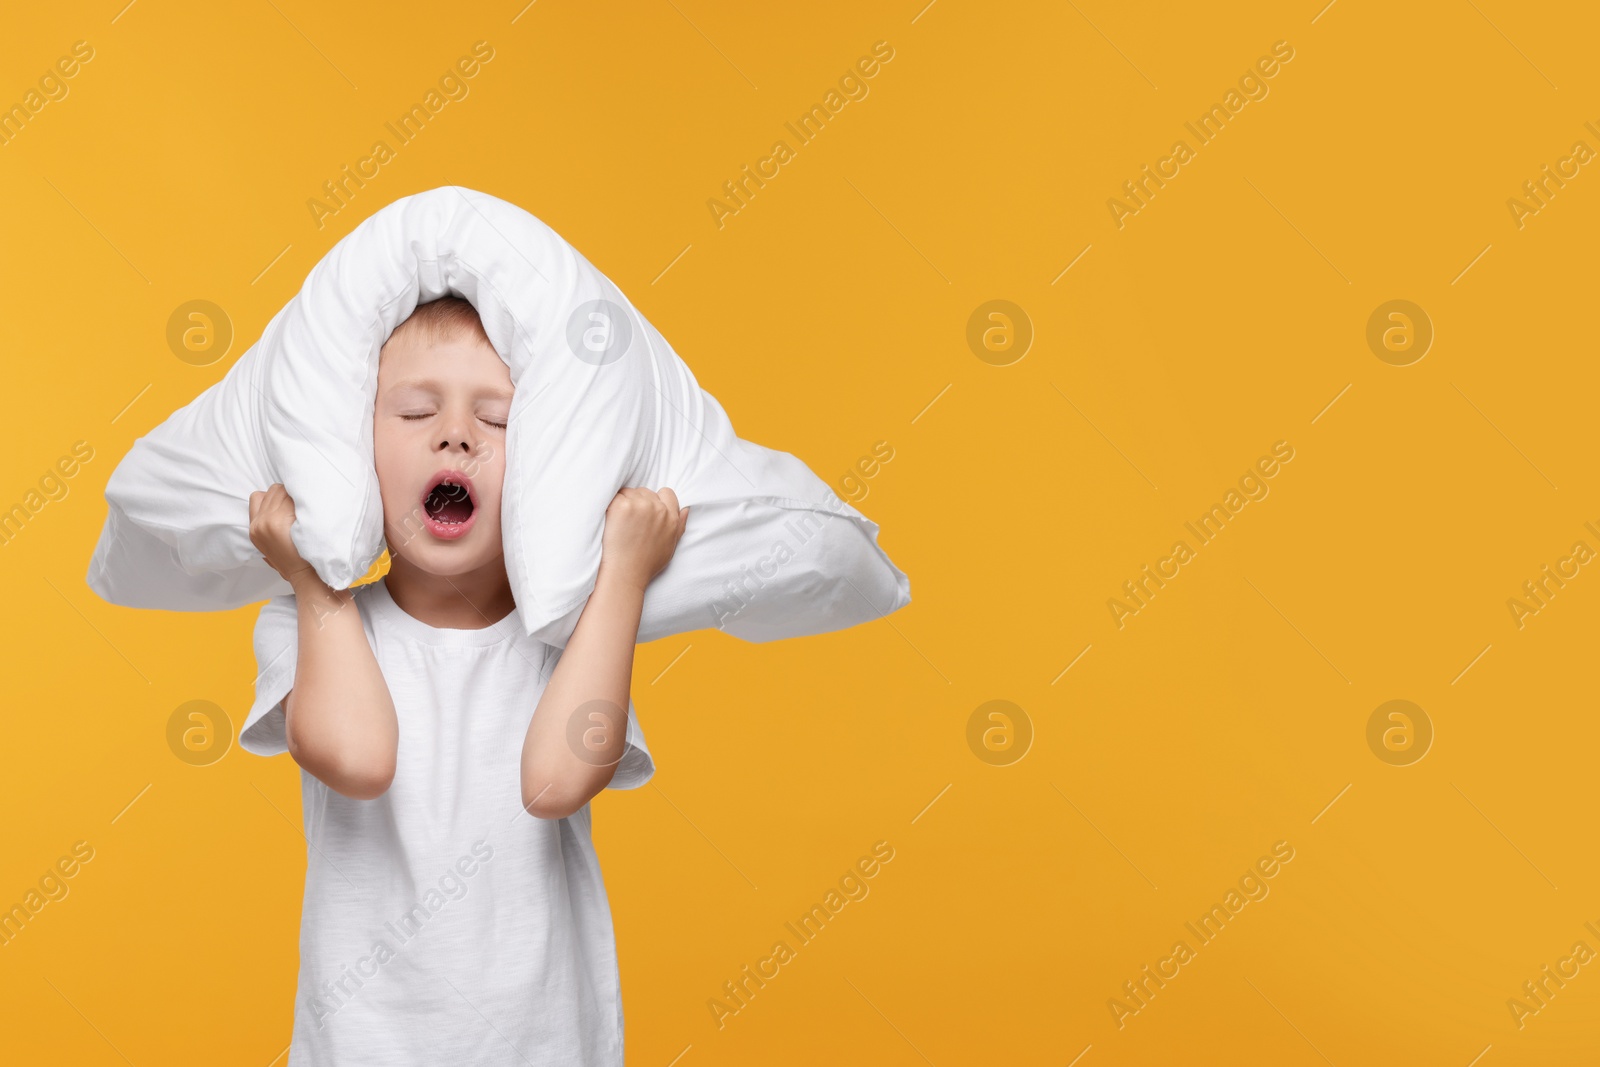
x,y
444,319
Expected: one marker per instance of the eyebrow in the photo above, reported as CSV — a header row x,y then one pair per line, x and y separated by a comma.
x,y
496,393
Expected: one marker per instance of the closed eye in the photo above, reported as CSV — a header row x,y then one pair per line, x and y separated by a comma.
x,y
429,415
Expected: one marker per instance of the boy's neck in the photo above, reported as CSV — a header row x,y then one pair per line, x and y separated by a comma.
x,y
470,601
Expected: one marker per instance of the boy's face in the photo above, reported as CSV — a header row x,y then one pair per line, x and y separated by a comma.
x,y
440,415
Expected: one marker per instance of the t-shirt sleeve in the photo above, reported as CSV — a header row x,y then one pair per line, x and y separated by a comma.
x,y
277,645
637,765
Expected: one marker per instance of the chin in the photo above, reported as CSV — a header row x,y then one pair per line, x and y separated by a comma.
x,y
446,562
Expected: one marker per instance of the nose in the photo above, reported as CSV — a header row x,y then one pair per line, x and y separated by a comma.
x,y
459,434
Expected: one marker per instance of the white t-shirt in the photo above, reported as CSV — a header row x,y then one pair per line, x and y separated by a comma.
x,y
442,923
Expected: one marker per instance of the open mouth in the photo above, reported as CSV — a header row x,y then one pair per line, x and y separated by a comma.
x,y
448,506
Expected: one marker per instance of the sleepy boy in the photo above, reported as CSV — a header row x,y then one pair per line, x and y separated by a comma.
x,y
454,910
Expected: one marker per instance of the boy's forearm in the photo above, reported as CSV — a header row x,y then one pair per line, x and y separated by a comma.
x,y
339,718
565,763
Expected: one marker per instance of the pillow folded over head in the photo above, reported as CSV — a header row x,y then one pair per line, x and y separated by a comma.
x,y
601,402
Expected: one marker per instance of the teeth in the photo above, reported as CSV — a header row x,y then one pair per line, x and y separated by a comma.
x,y
450,497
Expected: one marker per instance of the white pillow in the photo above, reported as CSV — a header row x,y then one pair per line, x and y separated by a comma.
x,y
601,402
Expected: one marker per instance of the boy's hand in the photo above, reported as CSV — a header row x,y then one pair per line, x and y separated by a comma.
x,y
641,534
271,516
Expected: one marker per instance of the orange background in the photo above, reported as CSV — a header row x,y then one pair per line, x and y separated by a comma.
x,y
829,314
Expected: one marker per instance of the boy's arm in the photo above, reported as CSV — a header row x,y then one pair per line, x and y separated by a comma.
x,y
580,726
339,720
565,763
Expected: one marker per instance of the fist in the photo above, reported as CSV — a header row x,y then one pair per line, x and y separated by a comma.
x,y
271,516
641,534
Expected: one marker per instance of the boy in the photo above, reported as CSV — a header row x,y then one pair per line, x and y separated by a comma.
x,y
454,910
